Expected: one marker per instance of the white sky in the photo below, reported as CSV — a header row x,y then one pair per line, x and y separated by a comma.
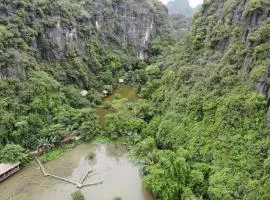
x,y
192,3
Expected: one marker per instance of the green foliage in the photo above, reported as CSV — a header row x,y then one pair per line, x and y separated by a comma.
x,y
37,112
256,6
77,195
153,71
117,198
169,176
49,52
52,155
74,97
144,148
122,124
108,88
91,155
12,153
207,137
261,34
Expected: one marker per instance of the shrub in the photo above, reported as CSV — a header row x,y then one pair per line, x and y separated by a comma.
x,y
117,198
91,155
13,153
255,5
109,88
77,195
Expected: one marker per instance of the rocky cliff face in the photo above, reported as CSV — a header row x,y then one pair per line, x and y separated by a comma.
x,y
211,112
130,23
237,31
249,15
49,30
179,21
180,7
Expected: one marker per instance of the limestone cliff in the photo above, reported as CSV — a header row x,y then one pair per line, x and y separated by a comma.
x,y
180,7
50,30
237,31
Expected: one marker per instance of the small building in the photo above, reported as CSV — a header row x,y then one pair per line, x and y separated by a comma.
x,y
121,80
7,169
105,92
84,93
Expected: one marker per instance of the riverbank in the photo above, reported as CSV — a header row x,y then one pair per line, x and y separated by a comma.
x,y
57,152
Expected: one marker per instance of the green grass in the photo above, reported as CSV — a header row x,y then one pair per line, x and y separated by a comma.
x,y
52,155
56,153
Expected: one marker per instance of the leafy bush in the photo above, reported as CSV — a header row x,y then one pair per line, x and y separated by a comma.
x,y
256,6
77,195
117,198
91,155
122,124
12,153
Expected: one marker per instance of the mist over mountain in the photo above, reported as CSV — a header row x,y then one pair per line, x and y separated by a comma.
x,y
181,7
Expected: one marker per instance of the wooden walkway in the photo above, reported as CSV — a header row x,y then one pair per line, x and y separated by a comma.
x,y
78,184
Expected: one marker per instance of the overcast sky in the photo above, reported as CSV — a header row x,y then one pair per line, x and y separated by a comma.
x,y
192,3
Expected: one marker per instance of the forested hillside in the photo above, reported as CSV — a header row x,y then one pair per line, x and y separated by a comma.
x,y
51,50
209,135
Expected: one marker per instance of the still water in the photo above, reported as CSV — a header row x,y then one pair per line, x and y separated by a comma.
x,y
112,165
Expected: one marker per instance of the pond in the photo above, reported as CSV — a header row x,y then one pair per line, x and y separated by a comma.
x,y
127,93
112,165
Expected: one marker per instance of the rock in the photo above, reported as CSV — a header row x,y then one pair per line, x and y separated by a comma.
x,y
56,36
180,7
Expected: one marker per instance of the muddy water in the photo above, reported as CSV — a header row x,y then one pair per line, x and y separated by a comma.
x,y
111,165
127,92
102,112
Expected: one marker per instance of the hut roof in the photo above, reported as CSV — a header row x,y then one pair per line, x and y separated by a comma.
x,y
5,167
84,93
121,80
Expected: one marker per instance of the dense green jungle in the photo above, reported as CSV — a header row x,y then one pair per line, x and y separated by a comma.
x,y
200,126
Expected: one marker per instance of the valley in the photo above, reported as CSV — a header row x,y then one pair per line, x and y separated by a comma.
x,y
169,106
